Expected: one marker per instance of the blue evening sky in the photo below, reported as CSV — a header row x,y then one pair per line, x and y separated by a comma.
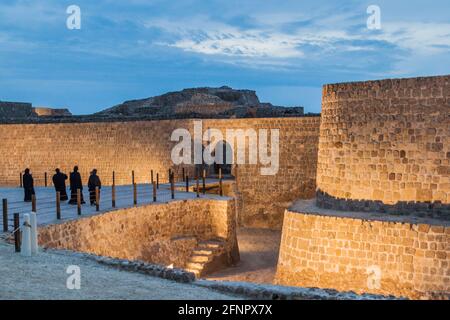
x,y
285,50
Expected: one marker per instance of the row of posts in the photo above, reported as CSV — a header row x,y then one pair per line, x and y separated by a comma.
x,y
16,224
155,185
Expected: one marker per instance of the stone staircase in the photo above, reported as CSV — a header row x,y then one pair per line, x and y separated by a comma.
x,y
206,257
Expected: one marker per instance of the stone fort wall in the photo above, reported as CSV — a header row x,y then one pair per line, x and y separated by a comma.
x,y
385,141
145,145
156,233
366,256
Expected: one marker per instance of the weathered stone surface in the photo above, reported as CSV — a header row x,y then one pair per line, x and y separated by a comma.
x,y
343,253
15,110
158,233
145,145
51,112
213,102
378,143
273,292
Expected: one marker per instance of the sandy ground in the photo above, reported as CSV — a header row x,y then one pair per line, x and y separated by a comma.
x,y
259,255
44,277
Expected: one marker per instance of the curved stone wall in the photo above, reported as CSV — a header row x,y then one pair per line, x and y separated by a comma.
x,y
349,252
386,142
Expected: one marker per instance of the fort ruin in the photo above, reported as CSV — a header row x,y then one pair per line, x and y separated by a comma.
x,y
376,164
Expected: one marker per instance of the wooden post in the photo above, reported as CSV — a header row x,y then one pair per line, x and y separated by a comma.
x,y
134,194
58,205
197,186
79,202
45,179
172,185
187,183
113,196
113,190
21,180
151,173
220,182
33,203
17,232
97,199
157,180
154,191
183,175
5,215
132,177
204,181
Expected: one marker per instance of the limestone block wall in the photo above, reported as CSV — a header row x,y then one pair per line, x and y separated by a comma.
x,y
157,233
15,110
145,145
390,258
386,141
118,146
264,198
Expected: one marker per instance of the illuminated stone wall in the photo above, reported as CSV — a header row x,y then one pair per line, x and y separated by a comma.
x,y
349,253
157,233
264,198
143,146
386,141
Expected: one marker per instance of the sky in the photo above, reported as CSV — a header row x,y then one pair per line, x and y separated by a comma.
x,y
284,50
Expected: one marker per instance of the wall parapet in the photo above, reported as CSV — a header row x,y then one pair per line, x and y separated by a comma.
x,y
155,233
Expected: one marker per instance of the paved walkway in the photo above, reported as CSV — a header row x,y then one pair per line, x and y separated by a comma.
x,y
44,277
46,201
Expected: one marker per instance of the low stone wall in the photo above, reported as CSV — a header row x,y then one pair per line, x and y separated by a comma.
x,y
348,252
156,233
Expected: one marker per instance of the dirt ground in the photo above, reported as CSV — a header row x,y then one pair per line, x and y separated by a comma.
x,y
45,277
259,255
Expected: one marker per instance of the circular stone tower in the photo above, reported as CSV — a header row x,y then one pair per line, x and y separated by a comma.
x,y
385,146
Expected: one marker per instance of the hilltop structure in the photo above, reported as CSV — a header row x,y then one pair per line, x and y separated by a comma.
x,y
204,103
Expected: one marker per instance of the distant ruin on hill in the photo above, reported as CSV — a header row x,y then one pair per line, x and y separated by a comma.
x,y
205,102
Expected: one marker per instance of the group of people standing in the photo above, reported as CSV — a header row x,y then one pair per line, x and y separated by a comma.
x,y
59,181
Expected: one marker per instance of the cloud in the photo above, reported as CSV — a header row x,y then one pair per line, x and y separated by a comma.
x,y
423,38
243,44
284,42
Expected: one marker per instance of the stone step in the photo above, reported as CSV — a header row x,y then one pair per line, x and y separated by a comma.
x,y
194,266
200,258
209,244
205,252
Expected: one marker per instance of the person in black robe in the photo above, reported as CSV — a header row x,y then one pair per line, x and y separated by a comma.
x,y
94,181
75,184
59,181
28,185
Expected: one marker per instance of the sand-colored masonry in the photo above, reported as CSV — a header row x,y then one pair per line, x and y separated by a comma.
x,y
145,145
